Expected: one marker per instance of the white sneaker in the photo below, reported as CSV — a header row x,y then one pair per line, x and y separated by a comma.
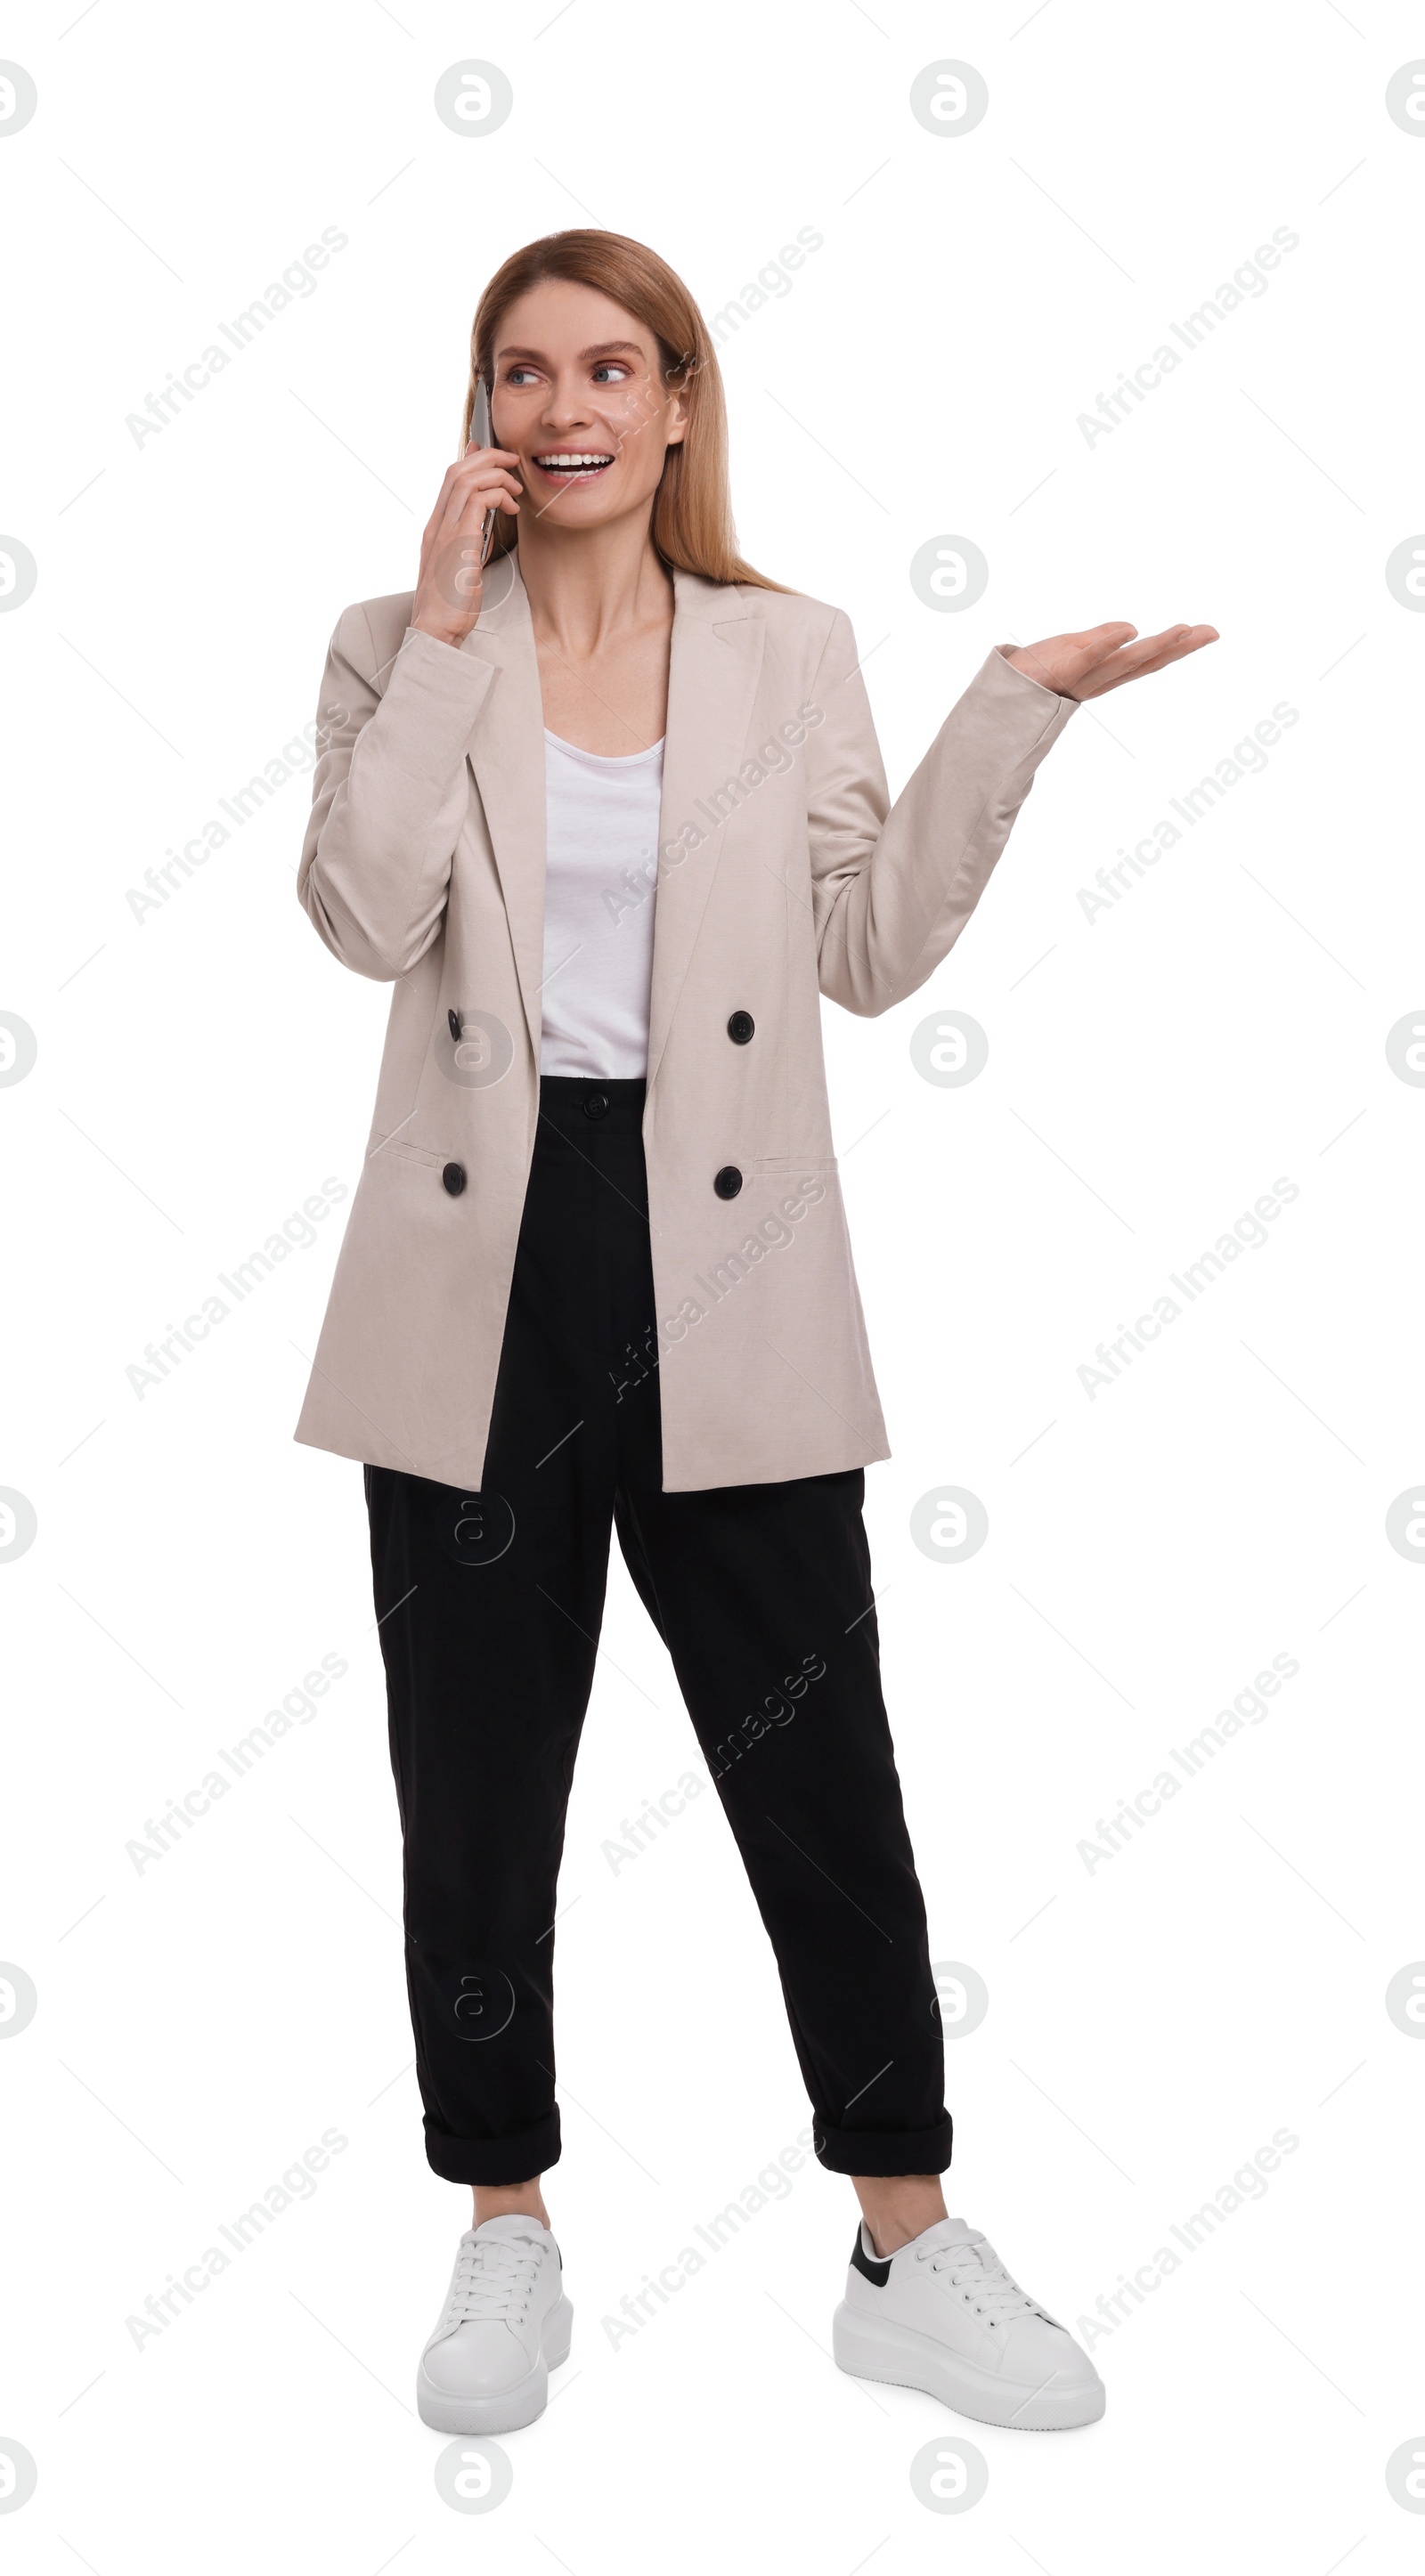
x,y
505,2325
942,2314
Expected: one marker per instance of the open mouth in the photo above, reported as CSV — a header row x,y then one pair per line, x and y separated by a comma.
x,y
573,465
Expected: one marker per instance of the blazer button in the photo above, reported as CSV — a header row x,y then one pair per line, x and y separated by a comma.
x,y
728,1181
741,1027
454,1178
453,1021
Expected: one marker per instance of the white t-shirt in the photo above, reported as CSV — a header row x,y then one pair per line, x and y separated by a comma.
x,y
600,887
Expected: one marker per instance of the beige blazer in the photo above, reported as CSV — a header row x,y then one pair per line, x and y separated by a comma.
x,y
785,873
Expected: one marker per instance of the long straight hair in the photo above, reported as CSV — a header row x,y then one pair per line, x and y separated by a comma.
x,y
692,526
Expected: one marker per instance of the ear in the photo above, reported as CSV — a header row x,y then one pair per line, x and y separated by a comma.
x,y
677,419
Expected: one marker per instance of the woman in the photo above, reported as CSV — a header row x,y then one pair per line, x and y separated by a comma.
x,y
610,814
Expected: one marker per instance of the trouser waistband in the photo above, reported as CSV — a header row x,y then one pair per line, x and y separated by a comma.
x,y
576,1102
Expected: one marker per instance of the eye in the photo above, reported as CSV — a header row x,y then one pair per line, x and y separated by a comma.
x,y
516,374
611,371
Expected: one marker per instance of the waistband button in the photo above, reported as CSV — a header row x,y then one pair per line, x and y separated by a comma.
x,y
596,1104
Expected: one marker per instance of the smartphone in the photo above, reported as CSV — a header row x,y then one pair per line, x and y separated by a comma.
x,y
483,435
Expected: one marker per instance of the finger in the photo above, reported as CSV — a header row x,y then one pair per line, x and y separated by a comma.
x,y
1094,641
474,460
1179,643
1169,646
1167,635
1134,657
1191,642
481,486
1073,656
472,494
486,496
1097,635
483,476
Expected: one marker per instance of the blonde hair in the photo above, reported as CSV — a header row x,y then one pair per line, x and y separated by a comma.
x,y
692,526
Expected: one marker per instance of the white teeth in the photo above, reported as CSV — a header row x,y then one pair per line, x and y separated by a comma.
x,y
555,463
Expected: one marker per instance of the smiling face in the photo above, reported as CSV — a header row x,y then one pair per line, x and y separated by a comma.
x,y
579,396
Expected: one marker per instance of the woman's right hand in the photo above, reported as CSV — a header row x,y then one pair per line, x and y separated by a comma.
x,y
448,591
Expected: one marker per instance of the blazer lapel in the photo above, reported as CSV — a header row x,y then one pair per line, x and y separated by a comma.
x,y
712,684
507,757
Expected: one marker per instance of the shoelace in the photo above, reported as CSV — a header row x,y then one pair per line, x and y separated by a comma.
x,y
975,2270
493,2278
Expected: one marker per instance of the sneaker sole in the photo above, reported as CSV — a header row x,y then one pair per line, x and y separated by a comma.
x,y
873,2348
506,2409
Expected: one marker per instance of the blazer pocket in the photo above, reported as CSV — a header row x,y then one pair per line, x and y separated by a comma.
x,y
407,1153
781,1164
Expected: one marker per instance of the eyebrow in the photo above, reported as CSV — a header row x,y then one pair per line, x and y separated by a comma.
x,y
601,349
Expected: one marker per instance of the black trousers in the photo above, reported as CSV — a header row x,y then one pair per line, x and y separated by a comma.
x,y
490,1607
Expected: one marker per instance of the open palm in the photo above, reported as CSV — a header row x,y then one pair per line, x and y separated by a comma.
x,y
1103,657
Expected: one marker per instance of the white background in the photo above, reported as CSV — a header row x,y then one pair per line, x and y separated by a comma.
x,y
1151,1072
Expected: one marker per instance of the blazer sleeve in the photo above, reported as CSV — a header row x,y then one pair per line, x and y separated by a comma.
x,y
894,885
389,795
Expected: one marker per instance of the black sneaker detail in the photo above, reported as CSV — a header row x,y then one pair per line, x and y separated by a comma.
x,y
877,2273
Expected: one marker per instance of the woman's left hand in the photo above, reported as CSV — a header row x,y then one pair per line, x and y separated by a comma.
x,y
1083,666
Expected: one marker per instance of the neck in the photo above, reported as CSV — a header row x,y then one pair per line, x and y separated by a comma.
x,y
588,586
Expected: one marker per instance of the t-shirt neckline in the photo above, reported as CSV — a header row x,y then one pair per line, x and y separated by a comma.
x,y
605,759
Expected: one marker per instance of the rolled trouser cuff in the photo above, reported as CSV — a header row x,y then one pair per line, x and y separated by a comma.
x,y
518,2158
881,2152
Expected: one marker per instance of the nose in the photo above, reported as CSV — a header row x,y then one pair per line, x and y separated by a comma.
x,y
565,409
